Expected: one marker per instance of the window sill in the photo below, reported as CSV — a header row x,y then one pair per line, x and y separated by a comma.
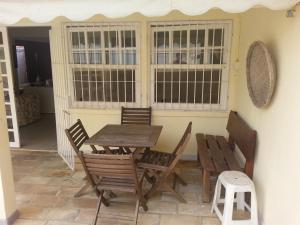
x,y
155,113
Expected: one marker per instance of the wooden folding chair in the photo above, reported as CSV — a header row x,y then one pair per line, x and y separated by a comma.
x,y
118,173
161,166
136,116
77,135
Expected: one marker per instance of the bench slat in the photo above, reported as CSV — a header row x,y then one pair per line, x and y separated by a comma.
x,y
228,154
217,154
205,158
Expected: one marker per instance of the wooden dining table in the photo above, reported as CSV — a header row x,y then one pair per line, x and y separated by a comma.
x,y
126,136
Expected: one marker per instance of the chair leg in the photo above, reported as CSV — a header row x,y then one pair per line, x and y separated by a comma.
x,y
98,207
137,206
104,200
150,179
152,190
180,179
206,186
82,190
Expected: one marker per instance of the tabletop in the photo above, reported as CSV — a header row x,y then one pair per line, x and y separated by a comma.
x,y
126,136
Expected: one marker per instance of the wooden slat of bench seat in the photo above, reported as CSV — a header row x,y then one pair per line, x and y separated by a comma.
x,y
205,157
217,154
228,154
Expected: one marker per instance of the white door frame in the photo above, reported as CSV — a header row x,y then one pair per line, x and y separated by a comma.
x,y
8,87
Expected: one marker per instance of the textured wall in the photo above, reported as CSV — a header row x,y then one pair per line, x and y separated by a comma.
x,y
276,169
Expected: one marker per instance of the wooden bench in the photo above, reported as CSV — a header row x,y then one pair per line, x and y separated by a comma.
x,y
216,154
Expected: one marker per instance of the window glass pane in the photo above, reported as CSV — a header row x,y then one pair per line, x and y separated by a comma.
x,y
196,57
180,39
180,57
129,57
95,57
161,39
3,68
116,86
191,87
112,57
128,38
78,40
187,86
111,39
215,56
6,96
2,55
215,37
1,39
9,123
197,38
5,82
206,93
11,136
8,110
162,58
79,58
215,93
198,95
94,39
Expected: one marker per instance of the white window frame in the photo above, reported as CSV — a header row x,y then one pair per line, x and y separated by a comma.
x,y
187,25
103,26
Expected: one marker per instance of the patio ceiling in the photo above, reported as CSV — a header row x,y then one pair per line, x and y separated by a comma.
x,y
40,11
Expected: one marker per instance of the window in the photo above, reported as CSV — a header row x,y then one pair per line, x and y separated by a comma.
x,y
103,61
189,65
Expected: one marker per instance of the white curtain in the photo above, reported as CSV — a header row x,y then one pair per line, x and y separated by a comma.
x,y
11,11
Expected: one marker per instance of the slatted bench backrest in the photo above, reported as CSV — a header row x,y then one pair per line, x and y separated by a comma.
x,y
244,137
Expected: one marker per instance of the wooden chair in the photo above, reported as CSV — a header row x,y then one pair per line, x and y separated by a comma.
x,y
136,116
161,166
77,135
118,173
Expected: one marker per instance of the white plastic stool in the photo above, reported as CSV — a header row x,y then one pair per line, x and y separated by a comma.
x,y
239,183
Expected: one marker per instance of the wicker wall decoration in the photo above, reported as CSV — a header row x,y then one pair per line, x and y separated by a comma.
x,y
261,74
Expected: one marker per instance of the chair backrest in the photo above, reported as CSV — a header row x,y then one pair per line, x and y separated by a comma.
x,y
178,151
77,135
116,167
136,116
244,137
184,139
241,135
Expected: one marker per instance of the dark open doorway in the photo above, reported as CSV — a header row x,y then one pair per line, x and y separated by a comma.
x,y
30,47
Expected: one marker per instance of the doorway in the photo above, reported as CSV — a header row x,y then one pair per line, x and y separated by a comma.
x,y
32,78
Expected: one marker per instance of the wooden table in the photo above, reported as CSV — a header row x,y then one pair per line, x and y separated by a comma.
x,y
128,136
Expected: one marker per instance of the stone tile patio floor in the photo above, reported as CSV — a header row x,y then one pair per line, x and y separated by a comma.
x,y
45,187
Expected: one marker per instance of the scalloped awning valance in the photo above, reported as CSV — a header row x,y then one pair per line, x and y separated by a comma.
x,y
40,11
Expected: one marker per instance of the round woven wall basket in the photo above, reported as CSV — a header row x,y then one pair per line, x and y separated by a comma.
x,y
261,74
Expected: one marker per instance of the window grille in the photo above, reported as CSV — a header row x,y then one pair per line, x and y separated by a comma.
x,y
189,65
104,64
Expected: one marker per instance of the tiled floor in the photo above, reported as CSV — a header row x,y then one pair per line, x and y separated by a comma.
x,y
45,188
40,135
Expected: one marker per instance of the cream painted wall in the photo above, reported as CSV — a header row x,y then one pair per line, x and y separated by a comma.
x,y
277,163
174,121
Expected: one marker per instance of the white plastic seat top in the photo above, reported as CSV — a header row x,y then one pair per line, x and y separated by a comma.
x,y
235,179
